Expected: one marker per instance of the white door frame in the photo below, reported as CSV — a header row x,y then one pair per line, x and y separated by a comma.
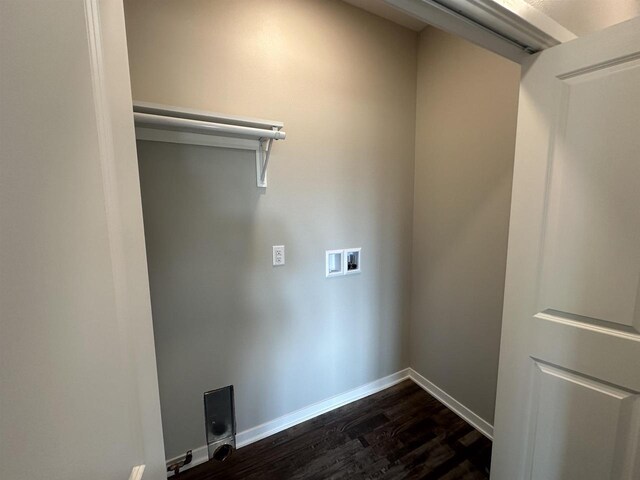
x,y
121,187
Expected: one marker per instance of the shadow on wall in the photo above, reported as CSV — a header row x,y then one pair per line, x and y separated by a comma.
x,y
199,208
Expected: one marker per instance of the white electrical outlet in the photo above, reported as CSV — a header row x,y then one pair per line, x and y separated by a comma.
x,y
278,255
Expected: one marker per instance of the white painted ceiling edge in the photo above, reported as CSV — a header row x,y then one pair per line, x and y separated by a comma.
x,y
511,28
515,19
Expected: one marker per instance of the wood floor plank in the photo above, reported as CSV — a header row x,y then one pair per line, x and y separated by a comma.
x,y
399,433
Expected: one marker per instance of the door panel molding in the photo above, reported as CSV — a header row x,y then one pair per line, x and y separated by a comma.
x,y
592,324
570,348
591,240
556,389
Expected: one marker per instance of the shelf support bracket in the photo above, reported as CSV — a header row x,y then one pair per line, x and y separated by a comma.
x,y
262,160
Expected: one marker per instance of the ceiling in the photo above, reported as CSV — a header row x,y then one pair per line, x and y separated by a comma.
x,y
587,16
579,16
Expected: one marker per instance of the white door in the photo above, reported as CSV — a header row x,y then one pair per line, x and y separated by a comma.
x,y
568,404
78,383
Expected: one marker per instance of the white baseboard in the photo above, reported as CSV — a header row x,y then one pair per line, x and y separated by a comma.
x,y
307,413
459,409
247,437
200,455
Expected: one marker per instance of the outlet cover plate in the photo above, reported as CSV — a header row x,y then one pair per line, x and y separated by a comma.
x,y
278,255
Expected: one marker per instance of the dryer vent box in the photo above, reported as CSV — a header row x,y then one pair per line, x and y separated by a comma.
x,y
220,418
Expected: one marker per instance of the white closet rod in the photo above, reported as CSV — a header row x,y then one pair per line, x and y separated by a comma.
x,y
199,126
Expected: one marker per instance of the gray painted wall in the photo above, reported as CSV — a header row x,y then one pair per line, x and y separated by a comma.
x,y
465,138
343,81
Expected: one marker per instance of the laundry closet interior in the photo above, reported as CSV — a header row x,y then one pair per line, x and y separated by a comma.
x,y
326,199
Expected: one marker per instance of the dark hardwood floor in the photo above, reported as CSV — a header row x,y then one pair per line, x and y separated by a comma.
x,y
399,433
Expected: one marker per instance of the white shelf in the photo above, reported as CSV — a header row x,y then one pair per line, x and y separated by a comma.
x,y
192,114
163,123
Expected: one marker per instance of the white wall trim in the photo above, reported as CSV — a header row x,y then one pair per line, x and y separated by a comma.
x,y
445,19
307,413
530,21
115,227
514,19
459,409
272,427
104,23
507,27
